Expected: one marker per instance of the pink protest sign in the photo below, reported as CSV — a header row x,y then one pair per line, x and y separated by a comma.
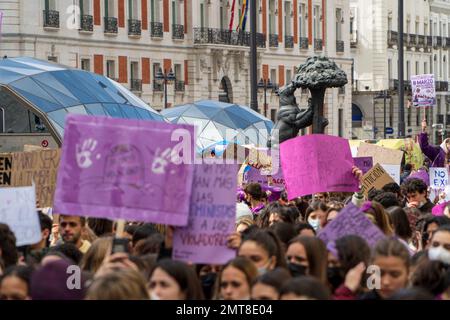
x,y
317,163
211,219
125,169
251,174
351,221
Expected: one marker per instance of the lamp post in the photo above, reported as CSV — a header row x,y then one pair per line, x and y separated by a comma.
x,y
385,96
253,57
265,84
165,78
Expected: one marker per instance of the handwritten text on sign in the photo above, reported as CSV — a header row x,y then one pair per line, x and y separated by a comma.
x,y
18,211
317,163
212,217
438,178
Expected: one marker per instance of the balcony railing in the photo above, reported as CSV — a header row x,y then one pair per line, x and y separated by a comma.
x,y
156,30
429,42
110,25
134,27
178,31
179,86
354,39
440,118
420,41
289,42
226,37
318,44
303,43
447,43
394,85
392,38
51,19
260,40
447,119
157,86
86,23
438,42
273,41
136,85
340,46
441,86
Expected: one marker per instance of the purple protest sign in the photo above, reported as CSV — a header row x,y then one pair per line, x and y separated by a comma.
x,y
125,169
351,221
317,163
364,163
251,174
211,218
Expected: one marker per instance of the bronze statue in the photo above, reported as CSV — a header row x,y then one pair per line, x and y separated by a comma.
x,y
317,74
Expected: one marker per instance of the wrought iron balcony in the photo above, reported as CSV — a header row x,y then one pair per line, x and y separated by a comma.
x,y
178,31
393,84
438,42
420,41
158,86
136,85
447,43
260,40
429,41
441,86
134,27
86,23
51,19
303,43
289,42
226,37
179,86
392,38
273,41
340,46
111,25
318,44
156,30
354,39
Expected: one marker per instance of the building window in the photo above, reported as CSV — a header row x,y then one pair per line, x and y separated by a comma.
x,y
273,75
287,18
288,76
178,71
155,15
111,69
389,24
425,68
273,114
134,70
133,9
417,67
408,70
272,17
52,58
340,122
391,112
425,29
110,11
317,23
389,69
176,10
339,19
86,64
50,5
417,28
85,7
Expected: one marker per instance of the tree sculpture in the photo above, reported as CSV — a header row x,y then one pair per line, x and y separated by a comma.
x,y
316,74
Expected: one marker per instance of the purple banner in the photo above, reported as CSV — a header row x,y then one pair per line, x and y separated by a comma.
x,y
317,163
364,163
351,220
211,219
125,169
254,175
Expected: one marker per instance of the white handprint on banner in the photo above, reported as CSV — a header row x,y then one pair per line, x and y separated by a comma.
x,y
84,153
161,161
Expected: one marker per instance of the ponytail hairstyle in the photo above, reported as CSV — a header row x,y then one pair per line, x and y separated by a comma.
x,y
270,243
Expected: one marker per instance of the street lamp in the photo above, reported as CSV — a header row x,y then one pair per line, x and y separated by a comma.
x,y
165,78
385,96
265,84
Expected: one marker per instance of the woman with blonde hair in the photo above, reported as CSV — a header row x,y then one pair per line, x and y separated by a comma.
x,y
379,217
94,257
123,284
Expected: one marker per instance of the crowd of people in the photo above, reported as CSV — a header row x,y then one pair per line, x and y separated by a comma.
x,y
278,253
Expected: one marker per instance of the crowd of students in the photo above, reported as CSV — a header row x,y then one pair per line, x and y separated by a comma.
x,y
278,253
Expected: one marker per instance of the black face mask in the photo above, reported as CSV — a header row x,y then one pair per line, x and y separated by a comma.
x,y
335,276
297,270
208,281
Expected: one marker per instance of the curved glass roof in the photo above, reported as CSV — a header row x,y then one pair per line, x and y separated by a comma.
x,y
57,90
218,121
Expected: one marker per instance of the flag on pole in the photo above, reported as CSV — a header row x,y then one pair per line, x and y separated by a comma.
x,y
243,16
230,27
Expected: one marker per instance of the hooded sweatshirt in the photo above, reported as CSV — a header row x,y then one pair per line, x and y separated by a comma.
x,y
436,154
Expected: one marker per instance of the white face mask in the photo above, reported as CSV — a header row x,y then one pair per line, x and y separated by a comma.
x,y
154,296
314,223
440,254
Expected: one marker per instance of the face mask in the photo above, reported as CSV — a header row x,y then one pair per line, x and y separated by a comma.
x,y
154,296
335,277
314,223
208,281
296,270
440,254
